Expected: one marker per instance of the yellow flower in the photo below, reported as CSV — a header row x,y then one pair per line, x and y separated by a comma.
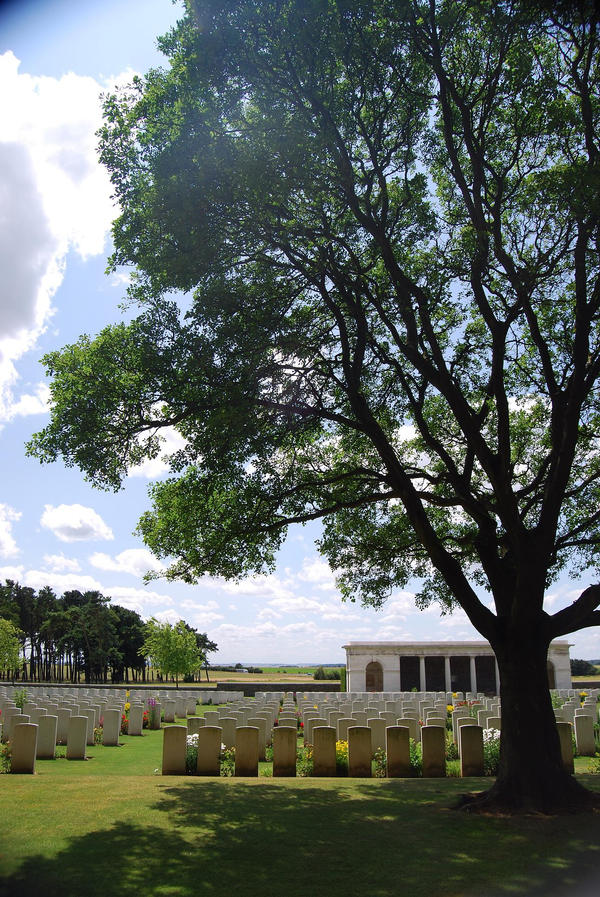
x,y
127,706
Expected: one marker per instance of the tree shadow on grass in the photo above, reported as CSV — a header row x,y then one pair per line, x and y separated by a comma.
x,y
207,837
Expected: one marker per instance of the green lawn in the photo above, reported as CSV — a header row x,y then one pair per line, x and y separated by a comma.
x,y
110,827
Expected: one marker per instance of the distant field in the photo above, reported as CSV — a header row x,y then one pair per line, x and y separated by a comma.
x,y
269,674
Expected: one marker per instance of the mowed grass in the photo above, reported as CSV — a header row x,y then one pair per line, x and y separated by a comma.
x,y
110,827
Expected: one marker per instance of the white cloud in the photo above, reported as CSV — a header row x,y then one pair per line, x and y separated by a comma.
x,y
135,561
297,604
8,546
172,442
167,616
75,523
54,197
146,602
267,613
27,404
201,615
189,604
14,573
268,586
61,582
58,562
318,572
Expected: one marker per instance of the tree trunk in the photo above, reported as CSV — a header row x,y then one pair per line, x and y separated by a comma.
x,y
531,777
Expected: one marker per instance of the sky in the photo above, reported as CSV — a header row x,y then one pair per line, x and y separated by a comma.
x,y
56,59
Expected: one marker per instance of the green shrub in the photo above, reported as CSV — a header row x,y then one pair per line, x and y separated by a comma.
x,y
416,758
20,698
5,757
380,763
304,761
451,747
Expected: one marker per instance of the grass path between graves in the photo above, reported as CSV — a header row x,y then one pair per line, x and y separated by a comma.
x,y
109,827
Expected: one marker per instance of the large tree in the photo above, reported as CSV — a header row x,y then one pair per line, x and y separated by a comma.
x,y
384,217
10,647
172,649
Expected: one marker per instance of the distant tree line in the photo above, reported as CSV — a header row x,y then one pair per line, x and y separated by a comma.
x,y
583,667
79,636
234,668
322,673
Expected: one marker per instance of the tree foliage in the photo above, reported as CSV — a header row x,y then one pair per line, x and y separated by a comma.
x,y
77,634
172,649
385,219
9,646
582,667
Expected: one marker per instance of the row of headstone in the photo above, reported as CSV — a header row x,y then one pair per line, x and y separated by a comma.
x,y
115,695
581,717
36,734
360,751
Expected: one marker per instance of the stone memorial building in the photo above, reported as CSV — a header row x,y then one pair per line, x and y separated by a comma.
x,y
438,666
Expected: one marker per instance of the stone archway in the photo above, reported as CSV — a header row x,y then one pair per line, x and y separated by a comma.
x,y
551,675
374,676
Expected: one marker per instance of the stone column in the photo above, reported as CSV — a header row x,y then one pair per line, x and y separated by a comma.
x,y
497,676
447,674
422,682
473,674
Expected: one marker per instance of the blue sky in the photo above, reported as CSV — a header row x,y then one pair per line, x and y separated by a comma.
x,y
56,57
